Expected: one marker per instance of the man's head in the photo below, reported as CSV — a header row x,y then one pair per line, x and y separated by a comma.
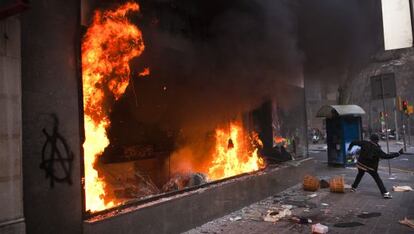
x,y
374,138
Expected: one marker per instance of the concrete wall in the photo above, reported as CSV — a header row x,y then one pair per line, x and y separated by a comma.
x,y
11,192
358,88
50,87
181,214
318,94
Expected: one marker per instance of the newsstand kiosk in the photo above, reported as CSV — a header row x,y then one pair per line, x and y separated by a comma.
x,y
343,125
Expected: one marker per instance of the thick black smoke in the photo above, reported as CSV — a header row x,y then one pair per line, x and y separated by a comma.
x,y
213,60
338,37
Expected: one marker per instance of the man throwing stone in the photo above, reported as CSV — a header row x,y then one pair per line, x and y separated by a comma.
x,y
368,159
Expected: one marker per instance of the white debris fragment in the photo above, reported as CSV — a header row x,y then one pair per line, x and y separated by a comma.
x,y
319,228
402,188
289,207
274,216
237,218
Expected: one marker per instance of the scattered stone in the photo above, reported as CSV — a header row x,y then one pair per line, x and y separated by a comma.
x,y
350,224
366,215
313,195
326,211
237,218
253,215
301,220
289,207
319,228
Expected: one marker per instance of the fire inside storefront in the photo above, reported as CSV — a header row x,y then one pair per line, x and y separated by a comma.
x,y
183,107
127,156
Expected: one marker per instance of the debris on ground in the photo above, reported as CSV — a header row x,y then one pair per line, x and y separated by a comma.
x,y
324,183
407,222
319,228
313,195
301,220
402,188
367,215
350,224
253,215
325,211
293,163
274,216
184,180
237,218
289,207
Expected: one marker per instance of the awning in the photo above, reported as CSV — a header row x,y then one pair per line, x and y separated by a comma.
x,y
330,111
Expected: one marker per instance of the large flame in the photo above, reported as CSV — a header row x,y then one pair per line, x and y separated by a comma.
x,y
233,154
109,44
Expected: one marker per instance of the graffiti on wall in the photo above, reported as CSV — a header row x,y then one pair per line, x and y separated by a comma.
x,y
57,158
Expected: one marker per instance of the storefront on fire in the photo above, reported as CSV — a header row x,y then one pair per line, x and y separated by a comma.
x,y
132,109
142,136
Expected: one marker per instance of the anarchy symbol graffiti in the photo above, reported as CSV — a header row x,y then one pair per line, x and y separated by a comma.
x,y
56,156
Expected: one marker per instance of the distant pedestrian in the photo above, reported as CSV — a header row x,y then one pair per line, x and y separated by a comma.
x,y
368,159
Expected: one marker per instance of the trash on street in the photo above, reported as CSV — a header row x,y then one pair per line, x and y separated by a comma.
x,y
402,188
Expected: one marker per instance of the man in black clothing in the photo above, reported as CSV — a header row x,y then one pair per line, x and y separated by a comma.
x,y
368,159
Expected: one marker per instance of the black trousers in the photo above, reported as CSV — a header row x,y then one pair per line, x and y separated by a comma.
x,y
374,175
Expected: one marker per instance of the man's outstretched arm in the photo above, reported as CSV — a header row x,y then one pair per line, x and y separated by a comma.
x,y
384,155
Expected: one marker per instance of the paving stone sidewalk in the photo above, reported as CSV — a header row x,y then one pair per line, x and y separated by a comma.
x,y
328,208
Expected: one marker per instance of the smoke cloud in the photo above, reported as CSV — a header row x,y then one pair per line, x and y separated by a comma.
x,y
338,37
213,60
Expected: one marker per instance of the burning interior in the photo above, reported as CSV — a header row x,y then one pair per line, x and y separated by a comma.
x,y
158,120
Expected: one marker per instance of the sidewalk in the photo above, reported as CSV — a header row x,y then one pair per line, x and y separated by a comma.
x,y
328,208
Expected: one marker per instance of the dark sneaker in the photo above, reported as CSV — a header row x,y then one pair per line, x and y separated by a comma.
x,y
387,195
353,190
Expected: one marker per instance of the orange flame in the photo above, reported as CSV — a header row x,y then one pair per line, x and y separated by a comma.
x,y
232,155
279,140
109,44
145,72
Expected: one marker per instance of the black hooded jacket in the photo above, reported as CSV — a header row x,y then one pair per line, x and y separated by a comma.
x,y
370,155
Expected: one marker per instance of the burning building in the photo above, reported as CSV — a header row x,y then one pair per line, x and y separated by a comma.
x,y
135,110
177,140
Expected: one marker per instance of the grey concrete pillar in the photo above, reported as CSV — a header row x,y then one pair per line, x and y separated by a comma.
x,y
51,130
11,194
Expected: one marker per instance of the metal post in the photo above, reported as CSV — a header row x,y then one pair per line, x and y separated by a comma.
x,y
397,134
386,125
404,134
370,118
409,129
